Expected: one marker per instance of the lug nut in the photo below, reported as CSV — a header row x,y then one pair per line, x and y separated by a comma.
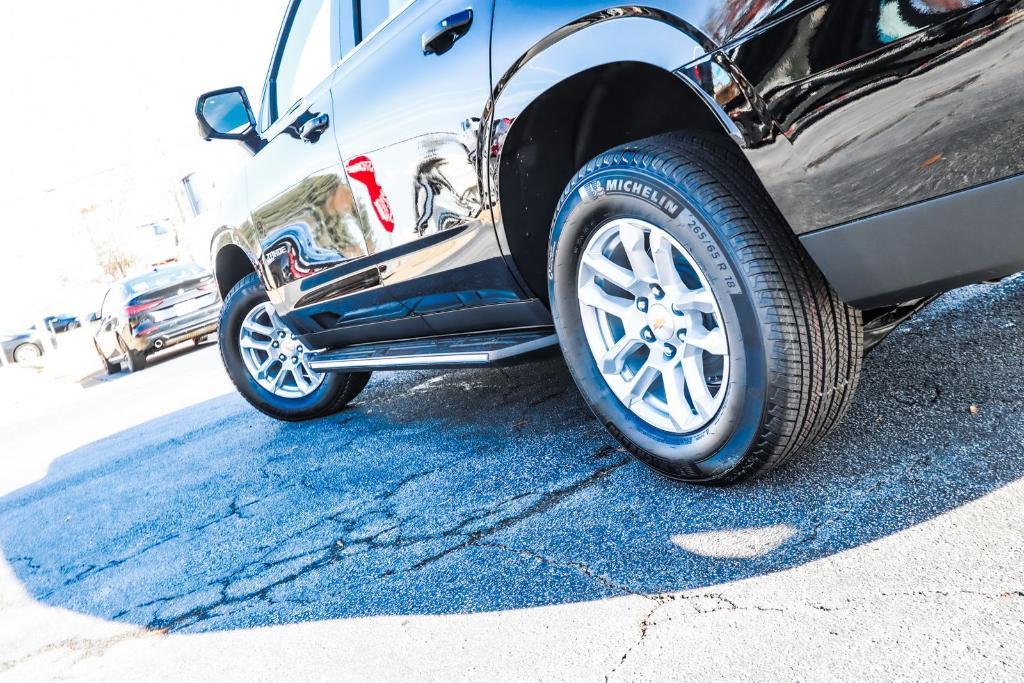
x,y
642,305
281,334
275,344
657,291
282,357
295,359
647,334
681,334
669,350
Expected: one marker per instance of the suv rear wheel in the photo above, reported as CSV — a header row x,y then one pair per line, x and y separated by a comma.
x,y
690,318
269,365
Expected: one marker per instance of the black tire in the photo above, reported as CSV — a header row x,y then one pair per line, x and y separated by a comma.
x,y
110,368
27,352
795,348
337,389
136,361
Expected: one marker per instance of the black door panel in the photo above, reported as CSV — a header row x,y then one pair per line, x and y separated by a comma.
x,y
312,226
411,149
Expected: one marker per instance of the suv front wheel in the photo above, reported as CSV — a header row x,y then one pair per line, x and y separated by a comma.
x,y
695,327
270,366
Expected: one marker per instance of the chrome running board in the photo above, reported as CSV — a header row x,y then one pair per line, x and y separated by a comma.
x,y
436,352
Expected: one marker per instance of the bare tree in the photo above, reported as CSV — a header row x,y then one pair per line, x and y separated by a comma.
x,y
113,255
114,258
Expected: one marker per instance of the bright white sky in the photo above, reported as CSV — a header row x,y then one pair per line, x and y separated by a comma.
x,y
90,85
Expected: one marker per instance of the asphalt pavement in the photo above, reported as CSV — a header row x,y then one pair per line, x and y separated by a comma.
x,y
480,524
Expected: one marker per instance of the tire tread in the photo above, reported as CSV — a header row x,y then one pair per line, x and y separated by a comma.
x,y
814,341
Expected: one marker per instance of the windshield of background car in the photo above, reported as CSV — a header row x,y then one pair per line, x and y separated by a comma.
x,y
165,277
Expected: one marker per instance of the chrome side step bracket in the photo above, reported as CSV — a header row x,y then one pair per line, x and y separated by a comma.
x,y
437,352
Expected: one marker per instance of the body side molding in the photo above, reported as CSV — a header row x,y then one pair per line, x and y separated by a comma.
x,y
925,248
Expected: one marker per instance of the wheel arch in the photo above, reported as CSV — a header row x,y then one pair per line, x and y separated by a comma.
x,y
578,93
231,258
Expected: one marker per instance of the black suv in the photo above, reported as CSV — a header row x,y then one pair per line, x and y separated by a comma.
x,y
713,208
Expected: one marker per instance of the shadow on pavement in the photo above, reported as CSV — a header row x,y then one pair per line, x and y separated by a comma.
x,y
100,376
495,489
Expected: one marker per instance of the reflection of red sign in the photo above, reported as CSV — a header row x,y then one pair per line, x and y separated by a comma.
x,y
361,170
297,271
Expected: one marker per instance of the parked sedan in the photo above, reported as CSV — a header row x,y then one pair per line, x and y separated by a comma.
x,y
20,346
62,322
146,313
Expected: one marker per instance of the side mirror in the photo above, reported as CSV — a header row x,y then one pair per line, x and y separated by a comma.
x,y
226,115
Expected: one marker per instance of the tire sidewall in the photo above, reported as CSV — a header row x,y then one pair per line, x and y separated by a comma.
x,y
719,447
248,294
28,345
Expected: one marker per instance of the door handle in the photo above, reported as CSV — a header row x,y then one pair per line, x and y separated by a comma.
x,y
440,39
311,130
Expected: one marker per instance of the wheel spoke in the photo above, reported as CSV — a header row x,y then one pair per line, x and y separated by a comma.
x,y
256,327
248,342
696,384
592,295
675,399
264,369
700,300
712,341
614,359
300,379
664,264
632,238
610,271
637,387
279,378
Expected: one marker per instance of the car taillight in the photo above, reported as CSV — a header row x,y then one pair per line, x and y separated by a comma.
x,y
132,311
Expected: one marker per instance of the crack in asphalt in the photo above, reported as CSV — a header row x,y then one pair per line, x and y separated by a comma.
x,y
547,501
645,624
581,567
342,545
84,647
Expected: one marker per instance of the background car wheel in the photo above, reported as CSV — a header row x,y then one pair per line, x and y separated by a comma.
x,y
269,365
27,352
136,361
110,368
696,328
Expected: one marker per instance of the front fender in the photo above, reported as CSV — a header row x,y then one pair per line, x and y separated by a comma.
x,y
227,235
527,65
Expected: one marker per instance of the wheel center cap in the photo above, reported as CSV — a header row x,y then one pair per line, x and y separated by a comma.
x,y
288,346
661,321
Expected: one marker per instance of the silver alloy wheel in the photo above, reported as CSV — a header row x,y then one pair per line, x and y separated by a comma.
x,y
653,325
275,357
